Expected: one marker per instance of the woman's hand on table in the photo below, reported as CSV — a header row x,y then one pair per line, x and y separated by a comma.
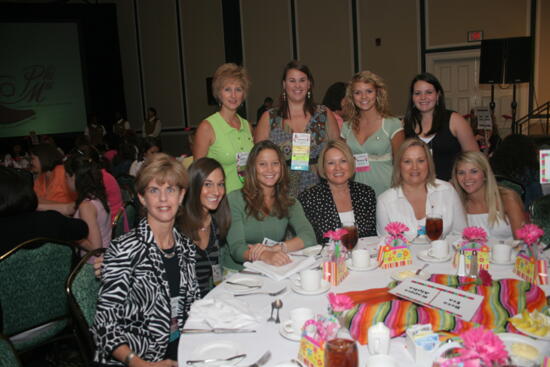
x,y
275,257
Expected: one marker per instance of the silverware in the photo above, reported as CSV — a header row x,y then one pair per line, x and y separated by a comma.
x,y
271,316
250,272
322,248
278,306
263,360
216,359
298,255
244,285
216,331
421,269
272,294
297,362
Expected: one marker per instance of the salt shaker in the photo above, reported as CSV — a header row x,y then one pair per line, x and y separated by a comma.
x,y
473,265
461,271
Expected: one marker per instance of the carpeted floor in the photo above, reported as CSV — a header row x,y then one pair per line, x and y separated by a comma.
x,y
61,354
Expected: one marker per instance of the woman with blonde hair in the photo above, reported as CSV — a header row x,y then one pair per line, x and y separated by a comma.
x,y
416,193
262,211
371,132
225,136
498,210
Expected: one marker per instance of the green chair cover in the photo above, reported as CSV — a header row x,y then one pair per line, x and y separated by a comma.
x,y
8,357
540,215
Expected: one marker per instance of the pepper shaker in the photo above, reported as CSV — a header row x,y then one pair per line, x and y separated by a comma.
x,y
473,265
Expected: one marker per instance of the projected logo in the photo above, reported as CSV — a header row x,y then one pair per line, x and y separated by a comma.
x,y
36,81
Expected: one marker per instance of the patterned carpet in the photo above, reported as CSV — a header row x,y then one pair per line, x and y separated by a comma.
x,y
60,354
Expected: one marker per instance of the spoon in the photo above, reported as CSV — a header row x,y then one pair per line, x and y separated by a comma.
x,y
272,308
278,306
422,268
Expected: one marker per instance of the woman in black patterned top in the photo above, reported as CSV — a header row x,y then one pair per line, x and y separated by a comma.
x,y
337,201
206,219
148,277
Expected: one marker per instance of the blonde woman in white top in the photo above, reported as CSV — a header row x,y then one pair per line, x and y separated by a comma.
x,y
498,210
416,193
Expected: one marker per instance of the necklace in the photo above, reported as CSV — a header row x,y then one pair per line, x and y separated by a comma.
x,y
168,255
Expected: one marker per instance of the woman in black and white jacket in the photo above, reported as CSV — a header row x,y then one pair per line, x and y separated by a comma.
x,y
148,277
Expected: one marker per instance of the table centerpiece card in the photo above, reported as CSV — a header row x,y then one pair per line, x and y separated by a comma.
x,y
395,252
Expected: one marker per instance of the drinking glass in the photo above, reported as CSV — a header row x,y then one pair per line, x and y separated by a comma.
x,y
349,240
341,352
434,226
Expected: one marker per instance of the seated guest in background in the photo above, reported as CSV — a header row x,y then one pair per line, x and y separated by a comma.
x,y
206,219
19,220
84,178
416,193
148,277
225,135
333,99
152,125
263,209
337,201
127,153
497,210
147,147
50,185
17,157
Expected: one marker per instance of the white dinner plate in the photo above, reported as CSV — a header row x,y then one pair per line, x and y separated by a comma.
x,y
422,275
325,286
217,350
312,251
366,241
546,337
509,262
373,265
509,338
240,289
423,255
285,334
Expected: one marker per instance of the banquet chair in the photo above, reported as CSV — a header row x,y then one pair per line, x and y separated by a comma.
x,y
82,289
8,357
33,302
540,215
128,212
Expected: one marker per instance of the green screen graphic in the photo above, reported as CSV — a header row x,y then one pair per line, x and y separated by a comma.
x,y
41,86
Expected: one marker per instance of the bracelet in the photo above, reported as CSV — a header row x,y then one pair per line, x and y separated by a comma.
x,y
129,357
283,247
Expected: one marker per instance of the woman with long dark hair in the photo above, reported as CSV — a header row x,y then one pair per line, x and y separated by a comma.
x,y
446,132
298,113
206,219
262,211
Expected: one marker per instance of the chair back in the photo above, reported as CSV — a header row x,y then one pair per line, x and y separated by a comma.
x,y
540,215
82,288
511,184
125,219
32,284
8,356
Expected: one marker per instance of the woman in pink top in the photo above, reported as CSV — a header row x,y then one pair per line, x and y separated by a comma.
x,y
85,178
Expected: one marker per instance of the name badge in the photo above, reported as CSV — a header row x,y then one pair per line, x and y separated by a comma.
x,y
269,242
362,162
242,158
300,151
217,274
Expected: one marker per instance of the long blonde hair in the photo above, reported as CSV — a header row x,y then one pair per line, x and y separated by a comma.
x,y
491,189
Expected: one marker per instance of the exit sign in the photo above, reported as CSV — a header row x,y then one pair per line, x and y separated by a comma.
x,y
475,36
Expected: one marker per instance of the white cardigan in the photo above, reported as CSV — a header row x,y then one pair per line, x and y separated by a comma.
x,y
393,206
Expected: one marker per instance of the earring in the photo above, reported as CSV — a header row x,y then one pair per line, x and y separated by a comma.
x,y
284,95
308,94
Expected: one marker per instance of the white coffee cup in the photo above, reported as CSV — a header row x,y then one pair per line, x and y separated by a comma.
x,y
360,258
381,360
310,279
439,249
501,253
298,317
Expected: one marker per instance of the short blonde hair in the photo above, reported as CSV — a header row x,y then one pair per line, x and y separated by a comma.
x,y
341,146
163,169
397,179
229,72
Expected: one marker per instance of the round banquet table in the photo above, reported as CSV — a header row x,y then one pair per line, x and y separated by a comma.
x,y
267,336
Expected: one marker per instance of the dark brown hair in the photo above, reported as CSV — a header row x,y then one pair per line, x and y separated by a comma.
x,y
309,105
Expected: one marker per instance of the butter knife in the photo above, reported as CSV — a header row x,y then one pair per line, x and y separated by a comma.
x,y
216,359
216,331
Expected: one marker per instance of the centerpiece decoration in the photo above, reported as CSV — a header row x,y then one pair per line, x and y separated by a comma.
x,y
395,252
530,264
475,239
315,334
335,269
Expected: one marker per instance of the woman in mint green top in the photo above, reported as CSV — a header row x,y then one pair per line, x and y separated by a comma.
x,y
264,210
371,130
224,136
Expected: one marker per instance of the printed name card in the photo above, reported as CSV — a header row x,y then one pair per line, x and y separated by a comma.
x,y
362,162
455,301
544,165
300,152
484,120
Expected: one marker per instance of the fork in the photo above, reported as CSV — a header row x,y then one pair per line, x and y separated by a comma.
x,y
244,285
272,294
263,360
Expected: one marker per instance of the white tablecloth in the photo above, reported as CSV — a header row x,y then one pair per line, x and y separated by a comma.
x,y
267,336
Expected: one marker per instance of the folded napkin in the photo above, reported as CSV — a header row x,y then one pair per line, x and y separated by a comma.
x,y
219,312
281,272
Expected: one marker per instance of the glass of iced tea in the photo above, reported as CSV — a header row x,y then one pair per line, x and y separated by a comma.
x,y
341,352
434,226
349,240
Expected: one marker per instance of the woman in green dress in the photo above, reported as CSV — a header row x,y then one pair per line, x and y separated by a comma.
x,y
262,212
371,132
225,136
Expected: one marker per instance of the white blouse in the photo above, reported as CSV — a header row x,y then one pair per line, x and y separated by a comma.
x,y
347,218
499,231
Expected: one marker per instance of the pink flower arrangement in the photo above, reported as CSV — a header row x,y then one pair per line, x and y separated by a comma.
x,y
485,277
529,233
335,235
474,234
479,346
395,231
340,302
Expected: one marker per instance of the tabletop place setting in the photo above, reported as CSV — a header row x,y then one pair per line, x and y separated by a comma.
x,y
382,302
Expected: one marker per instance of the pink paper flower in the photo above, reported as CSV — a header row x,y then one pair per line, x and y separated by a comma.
x,y
479,345
529,233
485,277
340,302
396,228
474,234
335,235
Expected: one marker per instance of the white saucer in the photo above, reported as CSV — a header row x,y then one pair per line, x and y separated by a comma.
x,y
373,265
423,255
421,240
509,262
422,275
325,286
290,336
509,338
313,250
